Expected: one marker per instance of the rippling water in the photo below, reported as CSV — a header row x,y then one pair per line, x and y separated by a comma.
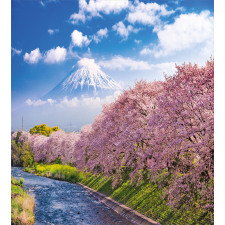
x,y
60,202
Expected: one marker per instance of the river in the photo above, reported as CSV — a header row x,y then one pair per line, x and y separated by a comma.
x,y
60,202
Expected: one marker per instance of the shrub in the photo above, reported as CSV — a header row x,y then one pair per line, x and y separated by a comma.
x,y
22,204
21,181
61,172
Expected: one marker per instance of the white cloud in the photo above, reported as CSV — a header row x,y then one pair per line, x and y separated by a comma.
x,y
16,51
39,102
78,39
100,35
69,102
113,6
102,32
76,17
147,14
92,102
146,51
122,63
188,31
96,8
35,103
96,102
51,101
33,57
56,55
137,41
124,31
52,31
164,68
87,62
87,102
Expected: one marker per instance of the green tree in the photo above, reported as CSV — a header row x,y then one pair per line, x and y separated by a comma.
x,y
43,130
21,154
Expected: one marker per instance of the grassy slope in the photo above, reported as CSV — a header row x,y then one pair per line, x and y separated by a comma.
x,y
22,205
144,198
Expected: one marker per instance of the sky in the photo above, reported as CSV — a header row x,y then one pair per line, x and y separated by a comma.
x,y
129,40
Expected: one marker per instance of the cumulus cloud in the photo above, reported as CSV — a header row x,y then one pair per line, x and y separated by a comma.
x,y
79,40
188,31
123,63
77,17
56,55
124,31
51,101
88,62
100,35
69,102
147,14
96,8
164,68
33,57
96,102
83,102
87,102
16,51
146,51
35,102
52,31
113,6
40,102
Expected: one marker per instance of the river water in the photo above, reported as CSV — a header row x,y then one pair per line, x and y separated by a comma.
x,y
60,202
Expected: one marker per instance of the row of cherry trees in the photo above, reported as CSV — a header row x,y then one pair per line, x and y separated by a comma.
x,y
164,127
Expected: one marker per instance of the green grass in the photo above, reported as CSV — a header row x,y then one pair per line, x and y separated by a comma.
x,y
16,182
145,198
57,171
22,204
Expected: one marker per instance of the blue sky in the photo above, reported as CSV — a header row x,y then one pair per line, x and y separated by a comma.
x,y
129,40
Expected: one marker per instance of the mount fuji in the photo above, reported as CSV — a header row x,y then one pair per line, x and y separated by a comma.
x,y
88,80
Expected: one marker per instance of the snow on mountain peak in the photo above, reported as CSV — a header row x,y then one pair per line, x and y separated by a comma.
x,y
90,63
89,74
87,80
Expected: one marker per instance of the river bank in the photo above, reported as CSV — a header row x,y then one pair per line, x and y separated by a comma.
x,y
146,198
22,204
60,202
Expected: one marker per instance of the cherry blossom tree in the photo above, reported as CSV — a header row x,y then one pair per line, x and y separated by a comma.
x,y
156,128
182,126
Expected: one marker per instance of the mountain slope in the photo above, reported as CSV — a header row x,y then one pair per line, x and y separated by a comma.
x,y
88,80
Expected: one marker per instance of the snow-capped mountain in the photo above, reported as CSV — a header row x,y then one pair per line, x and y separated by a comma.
x,y
88,81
